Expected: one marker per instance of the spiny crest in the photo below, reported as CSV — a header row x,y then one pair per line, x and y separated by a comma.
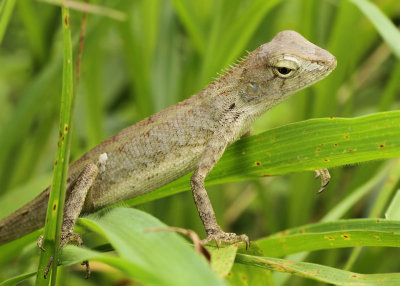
x,y
225,72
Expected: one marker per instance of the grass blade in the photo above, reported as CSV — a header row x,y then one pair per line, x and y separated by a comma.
x,y
393,211
57,195
329,235
17,279
303,146
382,23
319,272
144,251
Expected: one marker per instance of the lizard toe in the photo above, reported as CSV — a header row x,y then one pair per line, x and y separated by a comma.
x,y
221,237
71,238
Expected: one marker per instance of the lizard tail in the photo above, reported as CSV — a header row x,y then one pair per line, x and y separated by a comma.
x,y
28,218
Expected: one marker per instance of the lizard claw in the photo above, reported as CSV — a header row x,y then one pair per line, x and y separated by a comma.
x,y
224,237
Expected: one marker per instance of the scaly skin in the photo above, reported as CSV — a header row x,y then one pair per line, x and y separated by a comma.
x,y
191,135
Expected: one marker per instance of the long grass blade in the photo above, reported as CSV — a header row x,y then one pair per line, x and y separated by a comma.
x,y
57,195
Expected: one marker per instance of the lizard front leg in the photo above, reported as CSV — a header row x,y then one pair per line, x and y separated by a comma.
x,y
210,157
248,133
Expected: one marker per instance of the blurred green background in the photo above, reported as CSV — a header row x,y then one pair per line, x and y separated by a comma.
x,y
162,53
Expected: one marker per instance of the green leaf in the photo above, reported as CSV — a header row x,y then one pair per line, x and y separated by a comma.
x,y
319,272
246,275
386,28
222,258
337,234
148,256
302,146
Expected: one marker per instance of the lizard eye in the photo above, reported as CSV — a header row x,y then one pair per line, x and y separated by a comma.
x,y
283,72
285,68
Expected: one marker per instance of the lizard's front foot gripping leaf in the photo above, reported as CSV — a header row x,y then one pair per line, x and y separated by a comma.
x,y
226,237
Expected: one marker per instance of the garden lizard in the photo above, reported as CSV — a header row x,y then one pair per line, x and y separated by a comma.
x,y
191,135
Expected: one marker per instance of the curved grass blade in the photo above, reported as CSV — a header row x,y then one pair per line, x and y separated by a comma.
x,y
319,272
144,251
17,279
393,211
385,27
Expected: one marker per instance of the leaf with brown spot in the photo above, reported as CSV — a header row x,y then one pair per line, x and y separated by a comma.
x,y
287,150
319,272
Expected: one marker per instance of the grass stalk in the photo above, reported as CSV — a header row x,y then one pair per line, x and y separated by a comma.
x,y
57,195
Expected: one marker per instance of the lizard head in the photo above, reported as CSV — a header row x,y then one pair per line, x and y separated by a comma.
x,y
282,67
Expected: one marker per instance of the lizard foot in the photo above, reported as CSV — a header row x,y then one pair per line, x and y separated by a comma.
x,y
66,238
71,238
226,237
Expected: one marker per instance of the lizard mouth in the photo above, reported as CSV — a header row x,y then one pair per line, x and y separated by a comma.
x,y
328,68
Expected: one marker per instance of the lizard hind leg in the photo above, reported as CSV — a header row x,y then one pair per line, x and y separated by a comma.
x,y
79,193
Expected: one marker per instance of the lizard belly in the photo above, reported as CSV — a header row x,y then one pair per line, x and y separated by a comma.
x,y
131,181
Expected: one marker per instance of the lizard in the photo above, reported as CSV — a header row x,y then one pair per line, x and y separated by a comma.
x,y
189,136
